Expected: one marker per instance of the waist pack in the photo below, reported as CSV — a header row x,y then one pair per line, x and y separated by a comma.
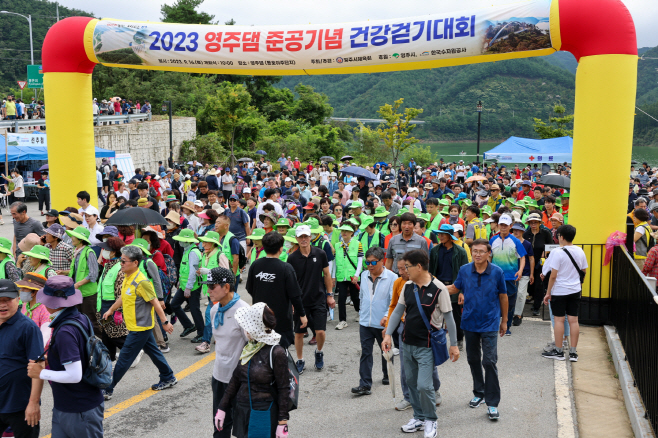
x,y
99,366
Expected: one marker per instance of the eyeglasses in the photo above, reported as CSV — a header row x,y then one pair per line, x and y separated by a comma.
x,y
407,267
122,261
479,252
372,263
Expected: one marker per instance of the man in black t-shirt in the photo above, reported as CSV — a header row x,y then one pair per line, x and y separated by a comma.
x,y
274,282
143,190
310,265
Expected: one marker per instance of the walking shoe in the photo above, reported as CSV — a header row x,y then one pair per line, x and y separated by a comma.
x,y
413,426
573,357
437,398
477,401
203,347
357,319
430,429
341,325
313,341
535,313
173,319
107,394
196,339
403,405
553,354
164,385
187,331
306,334
186,308
137,359
301,365
493,413
348,301
385,381
460,345
516,321
549,347
319,360
164,348
508,333
361,390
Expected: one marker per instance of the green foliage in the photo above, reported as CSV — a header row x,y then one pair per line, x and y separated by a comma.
x,y
646,128
184,11
311,106
368,145
560,129
396,129
205,148
422,155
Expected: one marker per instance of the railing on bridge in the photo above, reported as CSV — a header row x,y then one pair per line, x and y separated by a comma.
x,y
98,119
634,313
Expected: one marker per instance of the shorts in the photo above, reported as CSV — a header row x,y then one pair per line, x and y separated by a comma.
x,y
316,316
568,304
106,183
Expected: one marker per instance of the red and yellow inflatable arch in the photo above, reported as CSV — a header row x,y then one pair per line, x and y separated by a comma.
x,y
599,33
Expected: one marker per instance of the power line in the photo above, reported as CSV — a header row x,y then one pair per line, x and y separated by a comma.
x,y
647,114
18,50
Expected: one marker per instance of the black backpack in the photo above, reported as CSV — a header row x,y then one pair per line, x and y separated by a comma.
x,y
242,257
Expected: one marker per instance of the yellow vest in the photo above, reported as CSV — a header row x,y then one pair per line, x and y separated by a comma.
x,y
136,294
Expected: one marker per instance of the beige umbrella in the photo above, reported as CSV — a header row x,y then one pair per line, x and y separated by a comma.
x,y
476,178
388,355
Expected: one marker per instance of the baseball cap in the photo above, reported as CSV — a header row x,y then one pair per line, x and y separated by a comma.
x,y
91,210
505,219
234,196
246,190
220,275
518,226
303,230
198,203
533,217
8,289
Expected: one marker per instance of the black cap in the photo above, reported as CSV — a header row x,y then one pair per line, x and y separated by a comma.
x,y
220,276
8,289
53,213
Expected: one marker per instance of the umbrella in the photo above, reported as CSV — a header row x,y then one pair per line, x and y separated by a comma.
x,y
136,216
634,162
358,171
44,167
245,160
261,152
555,180
388,355
476,178
327,159
347,157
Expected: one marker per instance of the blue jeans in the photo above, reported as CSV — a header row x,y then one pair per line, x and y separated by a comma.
x,y
136,341
88,424
482,352
207,328
403,379
418,366
511,300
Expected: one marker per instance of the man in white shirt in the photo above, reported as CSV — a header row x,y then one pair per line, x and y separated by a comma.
x,y
564,288
461,171
19,189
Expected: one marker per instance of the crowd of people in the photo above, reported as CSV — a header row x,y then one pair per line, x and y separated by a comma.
x,y
414,250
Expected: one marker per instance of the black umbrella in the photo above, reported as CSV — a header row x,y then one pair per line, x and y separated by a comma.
x,y
632,162
245,160
327,159
347,157
136,216
553,180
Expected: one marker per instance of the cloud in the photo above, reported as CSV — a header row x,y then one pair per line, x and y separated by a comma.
x,y
261,12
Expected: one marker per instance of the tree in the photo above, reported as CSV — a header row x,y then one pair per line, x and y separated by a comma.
x,y
311,106
184,11
561,123
368,145
422,155
397,128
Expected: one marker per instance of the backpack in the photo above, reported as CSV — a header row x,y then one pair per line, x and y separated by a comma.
x,y
164,278
99,365
651,241
172,270
152,192
242,258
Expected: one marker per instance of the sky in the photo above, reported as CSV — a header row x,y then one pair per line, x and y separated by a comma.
x,y
268,12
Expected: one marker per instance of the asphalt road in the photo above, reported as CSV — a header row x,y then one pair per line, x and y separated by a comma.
x,y
327,408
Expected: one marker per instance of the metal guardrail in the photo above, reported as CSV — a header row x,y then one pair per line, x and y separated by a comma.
x,y
26,123
634,313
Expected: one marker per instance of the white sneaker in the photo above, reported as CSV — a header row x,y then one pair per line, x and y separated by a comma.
x,y
341,325
137,359
403,405
430,429
395,351
348,301
413,426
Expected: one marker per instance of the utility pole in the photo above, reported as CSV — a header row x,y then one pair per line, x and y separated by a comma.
x,y
166,105
57,10
479,110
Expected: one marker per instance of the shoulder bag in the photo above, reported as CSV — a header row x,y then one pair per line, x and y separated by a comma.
x,y
437,337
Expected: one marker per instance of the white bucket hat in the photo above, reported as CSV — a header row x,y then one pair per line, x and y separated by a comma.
x,y
251,321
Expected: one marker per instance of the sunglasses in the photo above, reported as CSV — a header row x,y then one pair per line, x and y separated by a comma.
x,y
372,263
122,261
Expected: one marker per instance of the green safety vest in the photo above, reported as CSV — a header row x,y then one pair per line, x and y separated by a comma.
x,y
364,243
142,267
105,289
480,231
43,270
3,275
88,289
253,254
346,263
382,227
225,247
434,225
209,262
284,256
184,271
